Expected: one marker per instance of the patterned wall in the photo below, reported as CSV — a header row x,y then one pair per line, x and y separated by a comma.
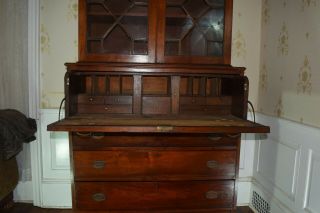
x,y
290,64
59,44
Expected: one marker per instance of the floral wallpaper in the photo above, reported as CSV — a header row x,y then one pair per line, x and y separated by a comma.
x,y
246,48
290,60
58,44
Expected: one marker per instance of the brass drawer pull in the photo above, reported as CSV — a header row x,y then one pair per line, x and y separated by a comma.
x,y
97,135
83,134
99,164
164,128
214,138
212,164
234,135
99,197
211,195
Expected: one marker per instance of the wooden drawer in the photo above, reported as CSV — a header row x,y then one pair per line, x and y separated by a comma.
x,y
100,141
90,99
156,105
117,109
143,196
118,100
144,165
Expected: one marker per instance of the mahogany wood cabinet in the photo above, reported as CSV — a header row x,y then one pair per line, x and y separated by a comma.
x,y
154,110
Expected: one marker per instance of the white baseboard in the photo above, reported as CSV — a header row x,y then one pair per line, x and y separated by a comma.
x,y
56,195
244,191
23,192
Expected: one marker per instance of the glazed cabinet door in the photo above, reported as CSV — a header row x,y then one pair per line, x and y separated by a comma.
x,y
117,30
194,31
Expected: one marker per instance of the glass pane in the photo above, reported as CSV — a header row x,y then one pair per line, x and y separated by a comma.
x,y
117,41
194,44
211,24
194,28
117,27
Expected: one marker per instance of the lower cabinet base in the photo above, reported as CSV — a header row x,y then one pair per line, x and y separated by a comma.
x,y
163,179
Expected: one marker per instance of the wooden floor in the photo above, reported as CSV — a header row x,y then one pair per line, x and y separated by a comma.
x,y
28,208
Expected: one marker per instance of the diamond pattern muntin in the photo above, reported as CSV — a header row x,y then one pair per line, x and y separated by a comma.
x,y
173,32
136,28
118,7
202,27
119,38
215,3
128,22
212,25
175,2
195,8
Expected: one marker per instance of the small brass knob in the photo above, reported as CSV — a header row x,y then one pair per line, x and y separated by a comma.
x,y
99,197
99,164
97,135
212,164
215,138
211,195
83,134
164,128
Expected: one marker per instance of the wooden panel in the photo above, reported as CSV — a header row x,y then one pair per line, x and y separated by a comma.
x,y
115,85
150,196
155,85
156,105
144,164
101,141
127,85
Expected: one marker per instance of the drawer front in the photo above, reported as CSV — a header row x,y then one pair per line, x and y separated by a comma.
x,y
154,165
99,141
117,109
142,196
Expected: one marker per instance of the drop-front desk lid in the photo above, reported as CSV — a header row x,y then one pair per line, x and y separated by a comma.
x,y
156,124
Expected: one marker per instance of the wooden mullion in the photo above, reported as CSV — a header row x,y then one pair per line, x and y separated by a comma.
x,y
215,87
175,94
107,82
93,85
190,86
120,84
203,86
137,97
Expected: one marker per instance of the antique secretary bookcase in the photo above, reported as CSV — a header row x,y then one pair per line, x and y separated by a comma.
x,y
154,109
